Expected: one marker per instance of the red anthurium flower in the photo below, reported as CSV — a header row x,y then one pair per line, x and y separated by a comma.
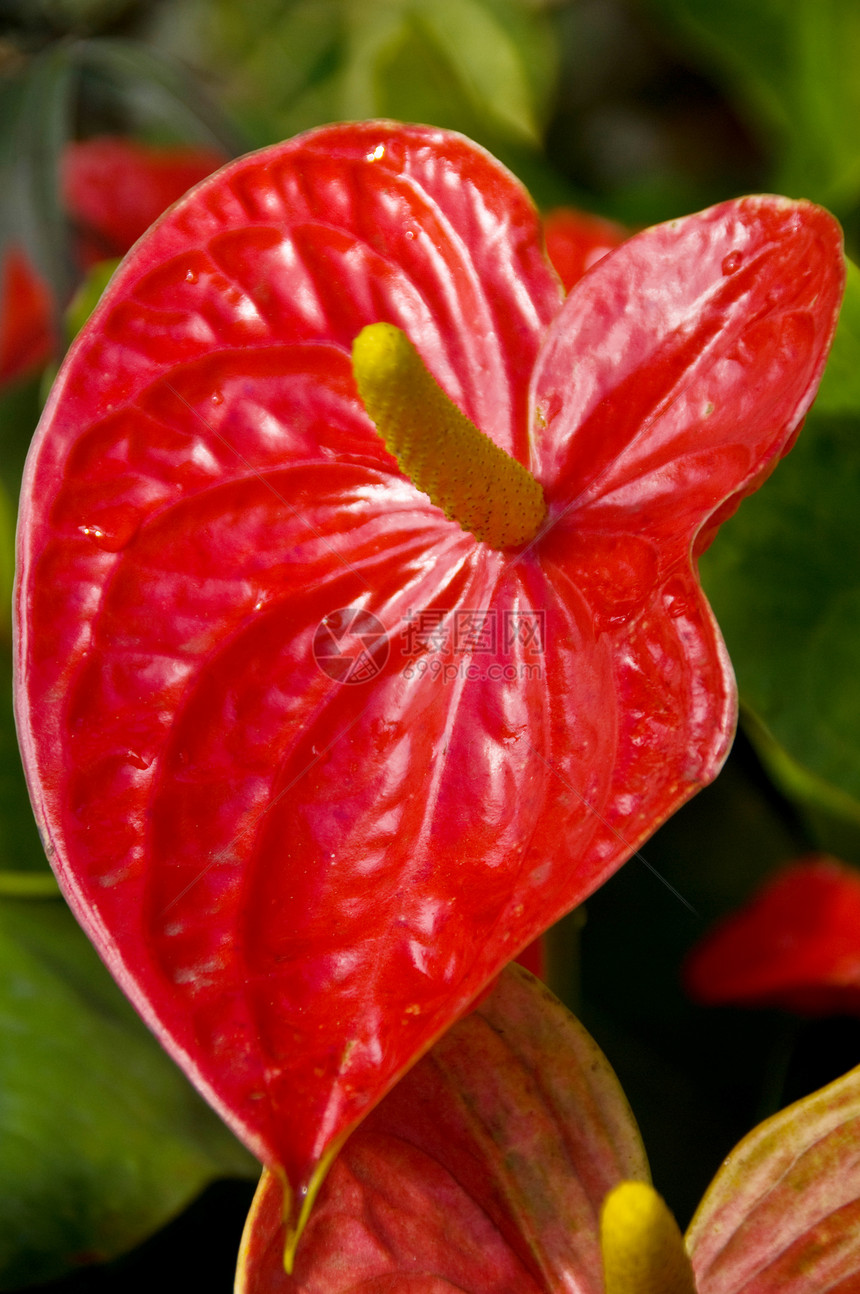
x,y
576,240
113,189
311,760
796,944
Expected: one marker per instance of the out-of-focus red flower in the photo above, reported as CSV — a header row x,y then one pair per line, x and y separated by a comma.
x,y
25,317
576,240
796,945
112,189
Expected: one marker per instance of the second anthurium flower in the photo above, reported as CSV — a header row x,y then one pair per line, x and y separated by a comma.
x,y
508,1162
313,759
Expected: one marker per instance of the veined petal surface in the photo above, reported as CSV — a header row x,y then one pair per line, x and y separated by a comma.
x,y
782,1216
310,761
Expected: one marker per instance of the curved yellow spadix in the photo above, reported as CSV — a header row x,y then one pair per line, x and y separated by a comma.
x,y
442,452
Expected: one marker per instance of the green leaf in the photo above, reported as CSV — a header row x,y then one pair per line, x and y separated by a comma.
x,y
87,297
485,67
457,62
19,414
20,847
7,564
163,90
101,1138
783,1212
792,64
839,392
782,579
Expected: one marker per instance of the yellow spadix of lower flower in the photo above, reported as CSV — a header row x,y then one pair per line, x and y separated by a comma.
x,y
643,1249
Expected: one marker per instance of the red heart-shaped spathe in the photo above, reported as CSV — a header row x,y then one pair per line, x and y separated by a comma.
x,y
302,881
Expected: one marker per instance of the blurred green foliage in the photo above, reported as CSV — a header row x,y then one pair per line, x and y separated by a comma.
x,y
486,65
791,68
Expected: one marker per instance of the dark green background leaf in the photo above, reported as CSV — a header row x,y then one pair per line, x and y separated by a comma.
x,y
792,67
101,1138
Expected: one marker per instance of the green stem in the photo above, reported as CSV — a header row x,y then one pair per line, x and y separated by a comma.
x,y
28,885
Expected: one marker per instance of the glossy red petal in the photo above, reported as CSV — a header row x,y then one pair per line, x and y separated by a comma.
x,y
114,188
796,944
302,880
484,1169
576,240
688,332
215,490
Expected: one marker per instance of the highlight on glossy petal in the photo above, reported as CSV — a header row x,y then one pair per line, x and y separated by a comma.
x,y
643,1249
441,450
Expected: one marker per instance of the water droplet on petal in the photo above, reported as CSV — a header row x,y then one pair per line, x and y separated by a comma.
x,y
113,528
191,276
731,262
217,397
